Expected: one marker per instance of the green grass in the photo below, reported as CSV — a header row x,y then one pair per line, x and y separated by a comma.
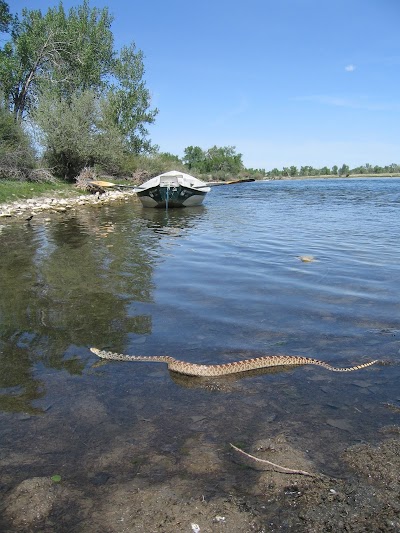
x,y
11,191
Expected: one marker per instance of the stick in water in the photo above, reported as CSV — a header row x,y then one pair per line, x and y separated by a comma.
x,y
277,468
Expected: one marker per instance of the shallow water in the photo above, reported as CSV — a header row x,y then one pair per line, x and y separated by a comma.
x,y
212,284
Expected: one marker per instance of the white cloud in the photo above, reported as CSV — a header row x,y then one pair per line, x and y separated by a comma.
x,y
349,68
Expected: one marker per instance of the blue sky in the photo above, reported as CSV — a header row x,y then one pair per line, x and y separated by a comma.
x,y
287,82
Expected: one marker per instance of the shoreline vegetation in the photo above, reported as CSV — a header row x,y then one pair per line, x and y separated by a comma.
x,y
19,197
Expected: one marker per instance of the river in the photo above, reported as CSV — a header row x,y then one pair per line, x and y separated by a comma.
x,y
212,284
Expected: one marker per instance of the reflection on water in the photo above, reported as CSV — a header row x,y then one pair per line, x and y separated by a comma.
x,y
224,383
173,221
212,284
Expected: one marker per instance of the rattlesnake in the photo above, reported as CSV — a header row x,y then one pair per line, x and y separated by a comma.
x,y
193,369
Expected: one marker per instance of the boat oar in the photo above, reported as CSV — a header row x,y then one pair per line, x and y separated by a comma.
x,y
245,180
219,183
100,183
136,187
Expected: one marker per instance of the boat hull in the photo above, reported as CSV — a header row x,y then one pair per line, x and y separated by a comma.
x,y
172,189
165,197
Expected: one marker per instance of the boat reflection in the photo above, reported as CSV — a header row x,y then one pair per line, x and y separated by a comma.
x,y
172,222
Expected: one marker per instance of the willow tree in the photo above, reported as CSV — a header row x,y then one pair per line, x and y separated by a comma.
x,y
5,16
84,138
17,156
60,56
128,100
64,52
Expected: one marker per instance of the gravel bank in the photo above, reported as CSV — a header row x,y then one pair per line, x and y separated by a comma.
x,y
54,204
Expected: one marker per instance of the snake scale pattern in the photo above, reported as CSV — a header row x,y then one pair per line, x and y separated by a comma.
x,y
193,369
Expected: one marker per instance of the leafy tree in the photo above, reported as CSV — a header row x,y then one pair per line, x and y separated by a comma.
x,y
194,157
293,171
16,152
89,51
147,165
394,167
324,171
170,158
57,68
5,17
307,170
344,170
358,170
61,54
129,100
223,159
335,170
75,134
274,172
57,51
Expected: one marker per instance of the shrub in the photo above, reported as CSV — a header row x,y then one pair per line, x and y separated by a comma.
x,y
17,157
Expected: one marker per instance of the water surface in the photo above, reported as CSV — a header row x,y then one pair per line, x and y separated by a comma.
x,y
212,284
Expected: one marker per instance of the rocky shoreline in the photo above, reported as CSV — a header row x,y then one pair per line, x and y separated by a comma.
x,y
57,204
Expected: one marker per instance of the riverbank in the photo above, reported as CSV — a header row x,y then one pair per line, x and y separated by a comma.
x,y
248,498
59,202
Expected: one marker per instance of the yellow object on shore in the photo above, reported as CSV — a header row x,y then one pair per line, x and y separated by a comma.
x,y
103,183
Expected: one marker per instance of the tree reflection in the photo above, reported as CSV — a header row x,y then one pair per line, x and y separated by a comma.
x,y
18,386
67,284
77,280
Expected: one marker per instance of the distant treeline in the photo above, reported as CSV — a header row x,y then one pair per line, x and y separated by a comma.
x,y
344,170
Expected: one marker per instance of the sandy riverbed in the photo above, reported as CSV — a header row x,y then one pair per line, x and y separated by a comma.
x,y
247,499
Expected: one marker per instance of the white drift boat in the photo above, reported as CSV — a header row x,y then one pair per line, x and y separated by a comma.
x,y
172,189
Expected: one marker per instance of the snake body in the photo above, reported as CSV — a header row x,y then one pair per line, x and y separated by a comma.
x,y
193,369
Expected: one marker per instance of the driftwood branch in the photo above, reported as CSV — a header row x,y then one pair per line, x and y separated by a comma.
x,y
274,466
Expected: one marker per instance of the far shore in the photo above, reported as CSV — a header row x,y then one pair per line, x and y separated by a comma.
x,y
332,177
